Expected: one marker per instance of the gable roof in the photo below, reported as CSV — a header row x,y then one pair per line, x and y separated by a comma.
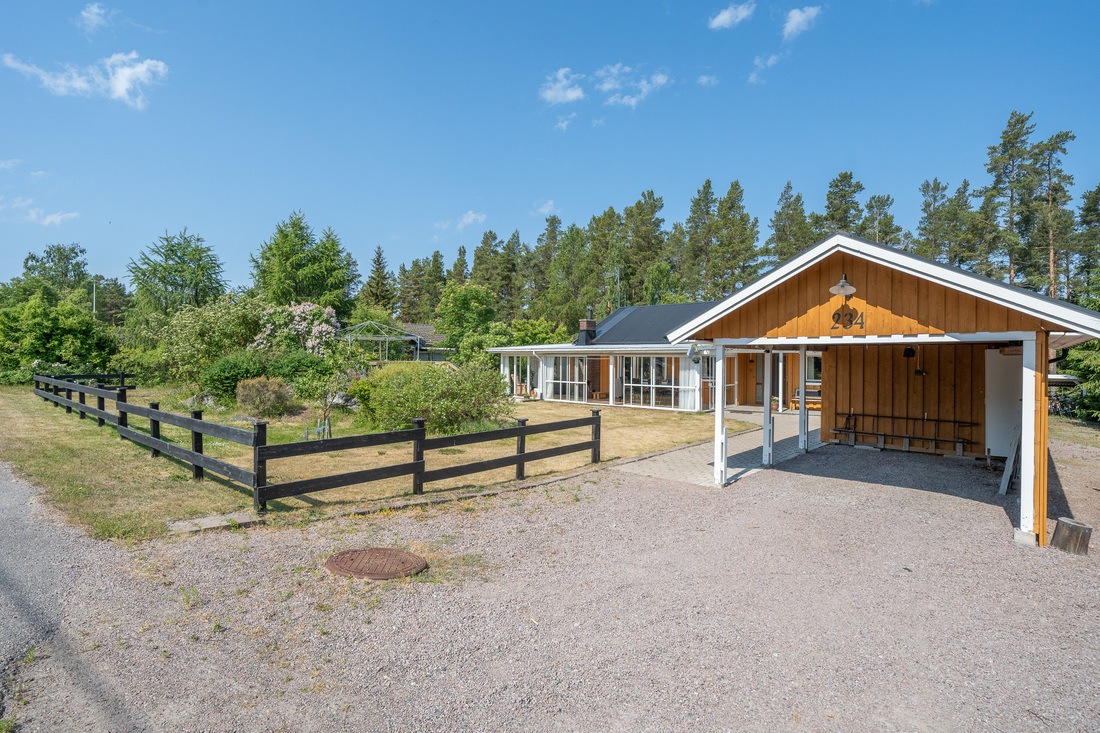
x,y
1071,316
646,324
426,332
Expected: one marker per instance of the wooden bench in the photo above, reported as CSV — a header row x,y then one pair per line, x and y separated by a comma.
x,y
813,399
908,430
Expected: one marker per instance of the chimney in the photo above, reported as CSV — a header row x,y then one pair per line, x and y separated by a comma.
x,y
587,330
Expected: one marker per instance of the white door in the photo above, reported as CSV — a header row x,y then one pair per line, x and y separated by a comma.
x,y
1003,384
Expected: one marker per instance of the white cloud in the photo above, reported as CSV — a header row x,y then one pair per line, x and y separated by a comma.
x,y
760,64
706,80
644,87
599,122
561,87
39,174
121,77
93,17
732,15
470,217
37,216
10,164
800,21
443,225
611,77
21,203
546,208
564,120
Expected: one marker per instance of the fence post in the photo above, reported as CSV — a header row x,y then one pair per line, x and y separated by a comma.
x,y
596,436
521,446
196,445
69,396
56,390
154,427
259,465
100,404
82,398
120,405
418,455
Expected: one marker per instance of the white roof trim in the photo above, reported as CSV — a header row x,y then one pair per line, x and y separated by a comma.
x,y
1086,322
595,349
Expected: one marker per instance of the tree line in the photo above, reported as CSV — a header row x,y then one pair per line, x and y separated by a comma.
x,y
1019,224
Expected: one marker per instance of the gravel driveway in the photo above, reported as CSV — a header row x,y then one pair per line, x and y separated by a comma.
x,y
825,594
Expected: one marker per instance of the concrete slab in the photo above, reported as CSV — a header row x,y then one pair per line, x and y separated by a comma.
x,y
218,521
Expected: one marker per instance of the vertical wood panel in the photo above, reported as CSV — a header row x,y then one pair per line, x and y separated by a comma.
x,y
828,394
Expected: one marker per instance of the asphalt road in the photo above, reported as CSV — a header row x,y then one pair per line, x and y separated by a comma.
x,y
34,551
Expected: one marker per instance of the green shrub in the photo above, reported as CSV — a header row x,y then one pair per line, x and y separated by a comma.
x,y
447,399
295,365
16,375
265,396
220,378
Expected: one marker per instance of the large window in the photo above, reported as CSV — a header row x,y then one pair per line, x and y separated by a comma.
x,y
568,379
657,381
813,368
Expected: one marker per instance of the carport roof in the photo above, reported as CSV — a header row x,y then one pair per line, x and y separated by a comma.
x,y
1072,317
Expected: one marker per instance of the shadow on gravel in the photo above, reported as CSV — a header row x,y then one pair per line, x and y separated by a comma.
x,y
1057,501
110,704
962,478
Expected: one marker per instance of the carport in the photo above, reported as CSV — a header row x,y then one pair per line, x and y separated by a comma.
x,y
917,356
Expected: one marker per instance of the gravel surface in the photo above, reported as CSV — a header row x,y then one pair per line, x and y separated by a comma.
x,y
34,555
826,594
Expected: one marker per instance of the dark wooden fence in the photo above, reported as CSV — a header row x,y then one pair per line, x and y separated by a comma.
x,y
51,387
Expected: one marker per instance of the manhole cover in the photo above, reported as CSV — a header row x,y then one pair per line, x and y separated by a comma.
x,y
376,563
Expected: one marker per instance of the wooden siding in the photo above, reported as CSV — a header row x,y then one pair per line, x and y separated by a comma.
x,y
891,302
879,380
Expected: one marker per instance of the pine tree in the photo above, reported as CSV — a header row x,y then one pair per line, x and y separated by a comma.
x,y
1010,164
460,271
538,268
878,223
843,212
791,232
485,270
735,262
1054,219
932,234
379,289
644,240
702,234
1087,281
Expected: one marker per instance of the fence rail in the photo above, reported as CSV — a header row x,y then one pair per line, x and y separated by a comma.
x,y
49,388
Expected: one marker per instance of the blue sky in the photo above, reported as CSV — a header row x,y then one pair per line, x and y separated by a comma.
x,y
417,126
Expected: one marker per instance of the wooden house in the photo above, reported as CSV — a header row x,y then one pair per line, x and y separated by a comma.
x,y
915,355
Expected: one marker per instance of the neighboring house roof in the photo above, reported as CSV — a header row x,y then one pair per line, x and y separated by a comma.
x,y
1068,315
425,332
631,329
645,324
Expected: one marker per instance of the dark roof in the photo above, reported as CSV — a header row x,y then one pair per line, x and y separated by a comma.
x,y
646,324
425,332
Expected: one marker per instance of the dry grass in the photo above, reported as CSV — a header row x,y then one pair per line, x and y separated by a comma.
x,y
118,490
1075,431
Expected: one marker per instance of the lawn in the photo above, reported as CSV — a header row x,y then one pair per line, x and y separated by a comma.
x,y
118,490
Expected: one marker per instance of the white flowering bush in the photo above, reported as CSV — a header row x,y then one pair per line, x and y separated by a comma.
x,y
306,326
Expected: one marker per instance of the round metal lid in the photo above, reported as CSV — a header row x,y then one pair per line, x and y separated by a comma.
x,y
376,563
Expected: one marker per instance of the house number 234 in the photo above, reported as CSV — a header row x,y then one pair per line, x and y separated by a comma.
x,y
847,318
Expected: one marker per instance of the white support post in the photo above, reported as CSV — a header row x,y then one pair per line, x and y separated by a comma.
x,y
803,413
769,426
736,385
612,375
1025,532
504,367
720,415
527,361
782,382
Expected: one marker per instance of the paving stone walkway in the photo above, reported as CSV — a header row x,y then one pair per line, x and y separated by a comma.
x,y
695,464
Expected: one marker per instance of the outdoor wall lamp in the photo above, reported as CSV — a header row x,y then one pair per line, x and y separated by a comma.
x,y
909,352
843,287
